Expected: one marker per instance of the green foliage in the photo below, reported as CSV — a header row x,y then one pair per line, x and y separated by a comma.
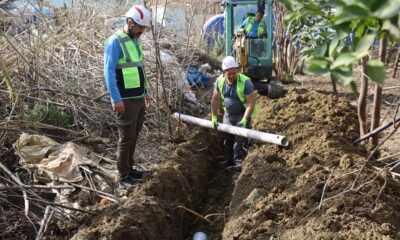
x,y
288,79
344,59
322,34
376,71
319,65
48,115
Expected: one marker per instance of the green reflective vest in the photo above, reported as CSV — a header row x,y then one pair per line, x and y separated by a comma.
x,y
240,84
131,61
130,74
261,26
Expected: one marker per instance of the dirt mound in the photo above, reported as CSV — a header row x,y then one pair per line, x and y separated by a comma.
x,y
279,191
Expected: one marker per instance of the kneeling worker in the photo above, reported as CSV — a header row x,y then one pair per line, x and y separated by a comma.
x,y
236,93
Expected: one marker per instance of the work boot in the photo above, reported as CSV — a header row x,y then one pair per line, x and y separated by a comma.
x,y
127,182
237,169
226,163
237,165
137,174
235,175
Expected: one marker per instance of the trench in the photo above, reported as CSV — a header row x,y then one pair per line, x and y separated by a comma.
x,y
162,207
214,203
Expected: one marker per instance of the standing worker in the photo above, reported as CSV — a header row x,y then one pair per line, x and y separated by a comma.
x,y
254,26
126,82
236,93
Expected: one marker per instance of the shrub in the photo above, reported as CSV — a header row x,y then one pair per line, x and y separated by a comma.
x,y
48,115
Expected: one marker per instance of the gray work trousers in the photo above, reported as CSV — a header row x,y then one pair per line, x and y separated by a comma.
x,y
129,125
235,146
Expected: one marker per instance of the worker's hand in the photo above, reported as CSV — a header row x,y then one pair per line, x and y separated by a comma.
x,y
242,123
147,100
214,121
240,32
119,107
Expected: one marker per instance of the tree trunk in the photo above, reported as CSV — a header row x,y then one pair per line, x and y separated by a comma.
x,y
362,99
396,64
376,107
334,88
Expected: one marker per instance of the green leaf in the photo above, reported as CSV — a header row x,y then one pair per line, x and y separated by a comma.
x,y
343,30
370,4
357,11
398,21
342,18
381,34
312,6
291,16
343,75
359,31
333,44
344,59
320,50
307,52
289,4
353,86
318,65
392,29
375,70
389,9
364,44
313,9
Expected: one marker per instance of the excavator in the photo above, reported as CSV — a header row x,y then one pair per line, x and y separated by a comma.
x,y
254,55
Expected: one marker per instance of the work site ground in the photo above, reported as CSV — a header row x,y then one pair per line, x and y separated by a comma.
x,y
58,143
319,188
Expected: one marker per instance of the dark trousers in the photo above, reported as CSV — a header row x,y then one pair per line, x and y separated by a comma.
x,y
129,125
235,146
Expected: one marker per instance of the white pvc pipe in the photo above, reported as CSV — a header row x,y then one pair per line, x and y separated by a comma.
x,y
244,132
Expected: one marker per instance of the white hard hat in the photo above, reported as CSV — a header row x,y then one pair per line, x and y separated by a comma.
x,y
229,62
140,15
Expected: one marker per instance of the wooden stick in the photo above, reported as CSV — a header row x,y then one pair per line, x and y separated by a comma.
x,y
113,197
44,222
195,213
66,215
396,64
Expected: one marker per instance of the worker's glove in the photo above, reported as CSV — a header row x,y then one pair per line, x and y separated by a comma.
x,y
242,123
214,121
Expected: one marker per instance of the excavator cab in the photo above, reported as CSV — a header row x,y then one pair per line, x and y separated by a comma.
x,y
254,56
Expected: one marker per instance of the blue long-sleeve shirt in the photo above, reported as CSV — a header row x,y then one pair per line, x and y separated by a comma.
x,y
254,30
112,53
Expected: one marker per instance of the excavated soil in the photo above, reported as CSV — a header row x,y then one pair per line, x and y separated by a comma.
x,y
162,207
278,194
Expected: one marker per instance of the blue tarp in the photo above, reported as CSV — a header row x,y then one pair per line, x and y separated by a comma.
x,y
194,76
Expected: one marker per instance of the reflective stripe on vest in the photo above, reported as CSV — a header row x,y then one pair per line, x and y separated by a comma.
x,y
261,26
130,62
240,84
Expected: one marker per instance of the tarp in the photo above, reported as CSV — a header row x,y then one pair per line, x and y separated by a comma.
x,y
56,161
194,76
214,30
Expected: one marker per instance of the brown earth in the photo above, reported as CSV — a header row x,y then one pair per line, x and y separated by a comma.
x,y
161,207
278,194
287,184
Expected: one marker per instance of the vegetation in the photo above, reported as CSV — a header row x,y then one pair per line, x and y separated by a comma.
x,y
48,115
345,31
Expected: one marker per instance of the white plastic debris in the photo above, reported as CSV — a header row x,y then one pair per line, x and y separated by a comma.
x,y
199,236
